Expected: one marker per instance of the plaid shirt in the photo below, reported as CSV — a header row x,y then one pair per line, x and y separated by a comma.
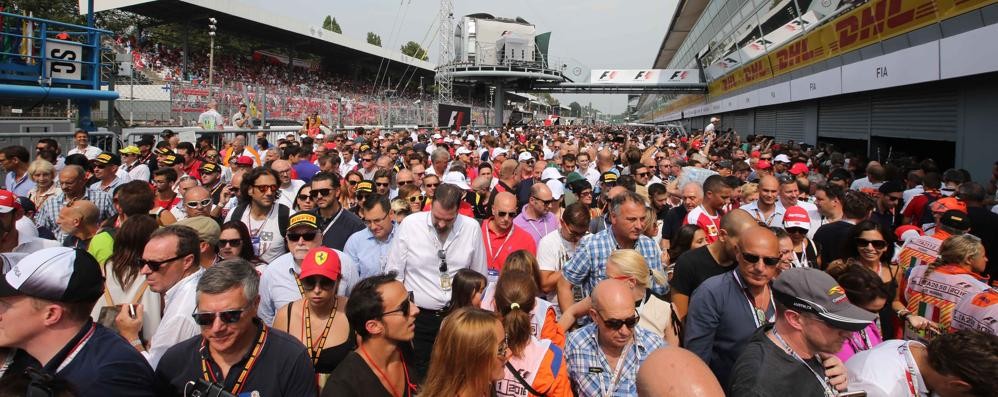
x,y
588,266
590,371
50,210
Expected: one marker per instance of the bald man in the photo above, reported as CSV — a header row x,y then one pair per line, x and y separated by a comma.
x,y
697,265
538,218
79,221
288,189
765,208
726,310
196,202
688,376
501,237
613,341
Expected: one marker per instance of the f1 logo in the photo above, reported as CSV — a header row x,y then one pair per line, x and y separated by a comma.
x,y
643,73
678,75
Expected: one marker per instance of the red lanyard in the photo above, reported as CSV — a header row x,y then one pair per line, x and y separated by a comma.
x,y
409,386
209,375
488,240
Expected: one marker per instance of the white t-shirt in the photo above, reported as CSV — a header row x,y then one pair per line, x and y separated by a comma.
x,y
882,371
287,196
268,243
552,253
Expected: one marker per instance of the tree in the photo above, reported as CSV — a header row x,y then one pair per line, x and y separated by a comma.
x,y
414,50
330,24
373,39
576,109
547,99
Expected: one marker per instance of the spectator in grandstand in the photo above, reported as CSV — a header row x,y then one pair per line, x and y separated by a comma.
x,y
934,289
955,364
368,248
627,215
83,146
14,160
613,333
42,174
226,313
336,222
210,119
708,215
73,189
426,262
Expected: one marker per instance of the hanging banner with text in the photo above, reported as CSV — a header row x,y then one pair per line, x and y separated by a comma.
x,y
875,21
644,76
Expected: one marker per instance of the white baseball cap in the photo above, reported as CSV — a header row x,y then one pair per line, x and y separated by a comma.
x,y
457,179
525,156
557,188
499,151
551,173
781,158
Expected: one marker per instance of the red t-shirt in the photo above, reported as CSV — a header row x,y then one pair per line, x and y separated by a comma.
x,y
709,224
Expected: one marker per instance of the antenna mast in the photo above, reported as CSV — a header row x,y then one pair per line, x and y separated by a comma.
x,y
445,82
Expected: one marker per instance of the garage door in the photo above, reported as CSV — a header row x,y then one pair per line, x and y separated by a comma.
x,y
911,114
845,117
765,122
790,124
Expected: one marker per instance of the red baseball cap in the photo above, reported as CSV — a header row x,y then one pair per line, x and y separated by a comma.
x,y
755,154
797,217
763,164
322,261
244,160
798,168
8,202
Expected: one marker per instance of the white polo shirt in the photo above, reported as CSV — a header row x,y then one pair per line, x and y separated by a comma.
x,y
884,370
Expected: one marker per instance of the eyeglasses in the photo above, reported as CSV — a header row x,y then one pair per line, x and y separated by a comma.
x,y
308,236
877,244
546,202
404,307
315,193
503,346
309,283
265,188
304,197
416,199
205,319
232,243
767,260
431,185
403,183
504,214
156,265
198,204
373,221
616,324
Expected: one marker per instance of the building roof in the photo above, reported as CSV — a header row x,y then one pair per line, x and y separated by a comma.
x,y
686,16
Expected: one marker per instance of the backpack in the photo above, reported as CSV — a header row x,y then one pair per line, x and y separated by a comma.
x,y
283,216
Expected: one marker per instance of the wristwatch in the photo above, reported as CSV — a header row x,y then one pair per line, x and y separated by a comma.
x,y
903,314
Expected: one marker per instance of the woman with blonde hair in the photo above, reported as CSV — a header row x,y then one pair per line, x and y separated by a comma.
x,y
934,289
749,193
537,365
543,317
470,353
413,197
42,173
657,314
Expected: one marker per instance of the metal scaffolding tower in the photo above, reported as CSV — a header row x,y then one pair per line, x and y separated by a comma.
x,y
445,82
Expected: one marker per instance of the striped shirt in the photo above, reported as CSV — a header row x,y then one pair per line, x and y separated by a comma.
x,y
588,266
592,374
49,212
934,296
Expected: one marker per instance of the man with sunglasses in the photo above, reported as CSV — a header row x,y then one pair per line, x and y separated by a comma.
x,y
603,357
133,165
196,202
279,281
795,356
235,351
368,248
106,171
337,224
383,314
537,218
501,236
289,186
727,309
171,264
555,249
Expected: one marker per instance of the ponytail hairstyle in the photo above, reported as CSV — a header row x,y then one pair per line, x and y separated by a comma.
x,y
526,262
632,264
514,299
955,250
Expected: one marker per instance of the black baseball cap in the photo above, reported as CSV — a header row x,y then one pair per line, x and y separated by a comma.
x,y
59,274
814,291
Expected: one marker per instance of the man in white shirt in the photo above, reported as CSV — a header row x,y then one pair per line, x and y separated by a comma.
x,y
289,187
261,213
210,119
137,170
82,139
171,265
428,249
555,249
788,195
106,171
279,281
899,368
765,208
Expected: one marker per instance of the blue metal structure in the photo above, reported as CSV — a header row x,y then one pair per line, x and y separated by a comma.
x,y
46,59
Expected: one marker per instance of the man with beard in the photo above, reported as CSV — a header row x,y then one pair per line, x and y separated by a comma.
x,y
337,224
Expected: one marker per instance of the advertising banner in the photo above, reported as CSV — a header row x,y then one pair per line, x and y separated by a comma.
x,y
644,76
453,116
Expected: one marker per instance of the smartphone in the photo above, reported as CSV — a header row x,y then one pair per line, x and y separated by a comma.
x,y
131,310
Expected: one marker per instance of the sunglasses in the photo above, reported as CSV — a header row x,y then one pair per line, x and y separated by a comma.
x,y
644,174
265,188
232,243
431,185
367,160
403,183
877,244
796,230
309,283
443,260
315,193
504,214
546,202
616,324
206,319
308,236
156,265
404,307
416,199
304,197
767,260
352,182
198,204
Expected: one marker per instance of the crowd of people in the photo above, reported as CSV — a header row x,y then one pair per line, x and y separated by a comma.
x,y
539,261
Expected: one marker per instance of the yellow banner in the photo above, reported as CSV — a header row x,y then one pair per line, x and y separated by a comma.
x,y
872,22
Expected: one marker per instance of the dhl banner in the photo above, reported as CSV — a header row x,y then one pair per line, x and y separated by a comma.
x,y
872,22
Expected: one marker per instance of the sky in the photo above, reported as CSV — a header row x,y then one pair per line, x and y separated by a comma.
x,y
596,34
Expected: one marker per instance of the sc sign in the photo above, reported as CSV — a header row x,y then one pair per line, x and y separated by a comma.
x,y
63,60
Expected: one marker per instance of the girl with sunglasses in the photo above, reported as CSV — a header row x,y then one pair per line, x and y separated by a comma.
x,y
348,190
317,319
304,202
413,197
470,353
869,246
234,242
537,365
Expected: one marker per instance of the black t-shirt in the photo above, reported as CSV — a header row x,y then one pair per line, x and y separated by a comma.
x,y
765,369
354,378
830,238
673,221
693,268
335,236
283,368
